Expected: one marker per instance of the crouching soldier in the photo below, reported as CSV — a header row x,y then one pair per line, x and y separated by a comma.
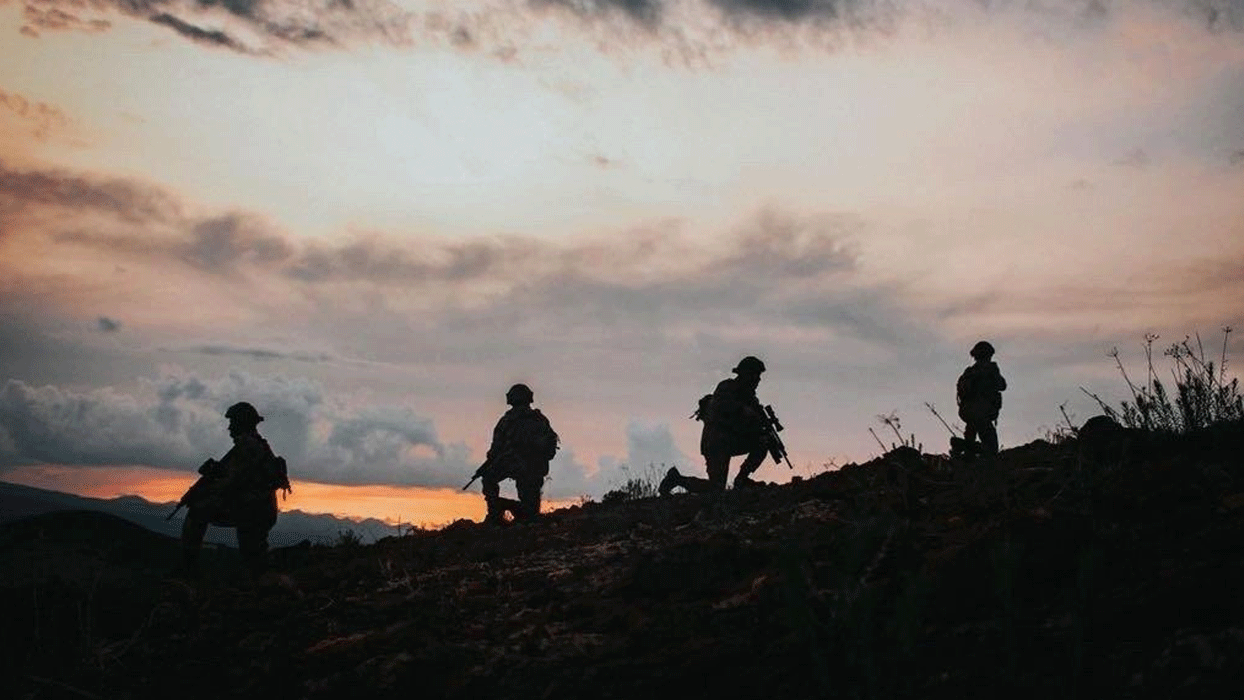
x,y
523,443
734,424
238,491
979,394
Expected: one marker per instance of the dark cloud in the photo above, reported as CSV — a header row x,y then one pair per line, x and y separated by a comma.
x,y
51,425
246,26
109,325
176,421
646,12
221,243
127,200
1236,157
211,37
258,353
773,272
788,10
1219,14
265,27
376,260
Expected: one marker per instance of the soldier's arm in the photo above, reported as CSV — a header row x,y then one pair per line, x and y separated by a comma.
x,y
498,439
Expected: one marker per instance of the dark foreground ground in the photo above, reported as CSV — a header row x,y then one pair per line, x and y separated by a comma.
x,y
1105,569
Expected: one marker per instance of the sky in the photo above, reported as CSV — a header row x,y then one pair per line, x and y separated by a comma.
x,y
370,218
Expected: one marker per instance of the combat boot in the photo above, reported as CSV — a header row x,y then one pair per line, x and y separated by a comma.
x,y
743,481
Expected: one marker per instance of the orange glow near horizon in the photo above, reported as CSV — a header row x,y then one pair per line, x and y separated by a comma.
x,y
393,505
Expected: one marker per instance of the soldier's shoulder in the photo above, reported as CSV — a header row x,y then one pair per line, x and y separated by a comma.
x,y
253,442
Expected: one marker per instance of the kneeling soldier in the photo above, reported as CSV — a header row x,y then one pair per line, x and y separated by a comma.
x,y
523,443
239,491
734,424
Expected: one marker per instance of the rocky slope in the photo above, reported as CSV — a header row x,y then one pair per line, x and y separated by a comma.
x,y
1109,566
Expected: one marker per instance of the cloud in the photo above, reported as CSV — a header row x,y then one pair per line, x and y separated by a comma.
x,y
211,37
652,444
244,26
127,200
42,118
646,12
46,16
504,28
259,353
109,325
176,421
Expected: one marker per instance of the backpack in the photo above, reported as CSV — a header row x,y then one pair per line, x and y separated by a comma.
x,y
702,408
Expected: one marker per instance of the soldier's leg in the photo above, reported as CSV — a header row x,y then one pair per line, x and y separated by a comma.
x,y
717,465
529,488
754,459
969,432
492,497
253,546
989,438
193,529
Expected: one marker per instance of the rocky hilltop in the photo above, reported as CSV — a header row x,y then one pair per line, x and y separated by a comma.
x,y
1104,566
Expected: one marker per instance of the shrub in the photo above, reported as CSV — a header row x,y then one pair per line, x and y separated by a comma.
x,y
636,487
348,539
1202,397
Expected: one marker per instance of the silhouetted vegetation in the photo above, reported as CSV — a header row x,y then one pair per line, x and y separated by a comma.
x,y
636,487
1203,395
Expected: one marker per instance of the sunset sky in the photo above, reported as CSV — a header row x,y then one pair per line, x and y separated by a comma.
x,y
370,218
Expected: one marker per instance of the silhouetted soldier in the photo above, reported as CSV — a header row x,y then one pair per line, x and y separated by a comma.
x,y
523,443
239,491
734,424
979,393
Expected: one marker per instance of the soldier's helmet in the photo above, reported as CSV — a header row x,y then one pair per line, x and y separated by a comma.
x,y
749,365
519,394
243,413
982,350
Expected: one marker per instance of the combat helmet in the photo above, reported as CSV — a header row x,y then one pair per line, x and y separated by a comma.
x,y
519,394
749,365
244,413
982,350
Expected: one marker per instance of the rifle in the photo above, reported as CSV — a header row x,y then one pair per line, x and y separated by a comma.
x,y
483,469
210,470
773,426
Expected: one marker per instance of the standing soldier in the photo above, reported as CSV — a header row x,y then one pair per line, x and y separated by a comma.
x,y
979,393
734,424
239,491
523,443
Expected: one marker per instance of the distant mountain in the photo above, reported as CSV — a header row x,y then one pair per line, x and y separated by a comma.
x,y
292,527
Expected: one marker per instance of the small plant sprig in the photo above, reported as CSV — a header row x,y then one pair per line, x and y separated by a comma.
x,y
891,421
1203,396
